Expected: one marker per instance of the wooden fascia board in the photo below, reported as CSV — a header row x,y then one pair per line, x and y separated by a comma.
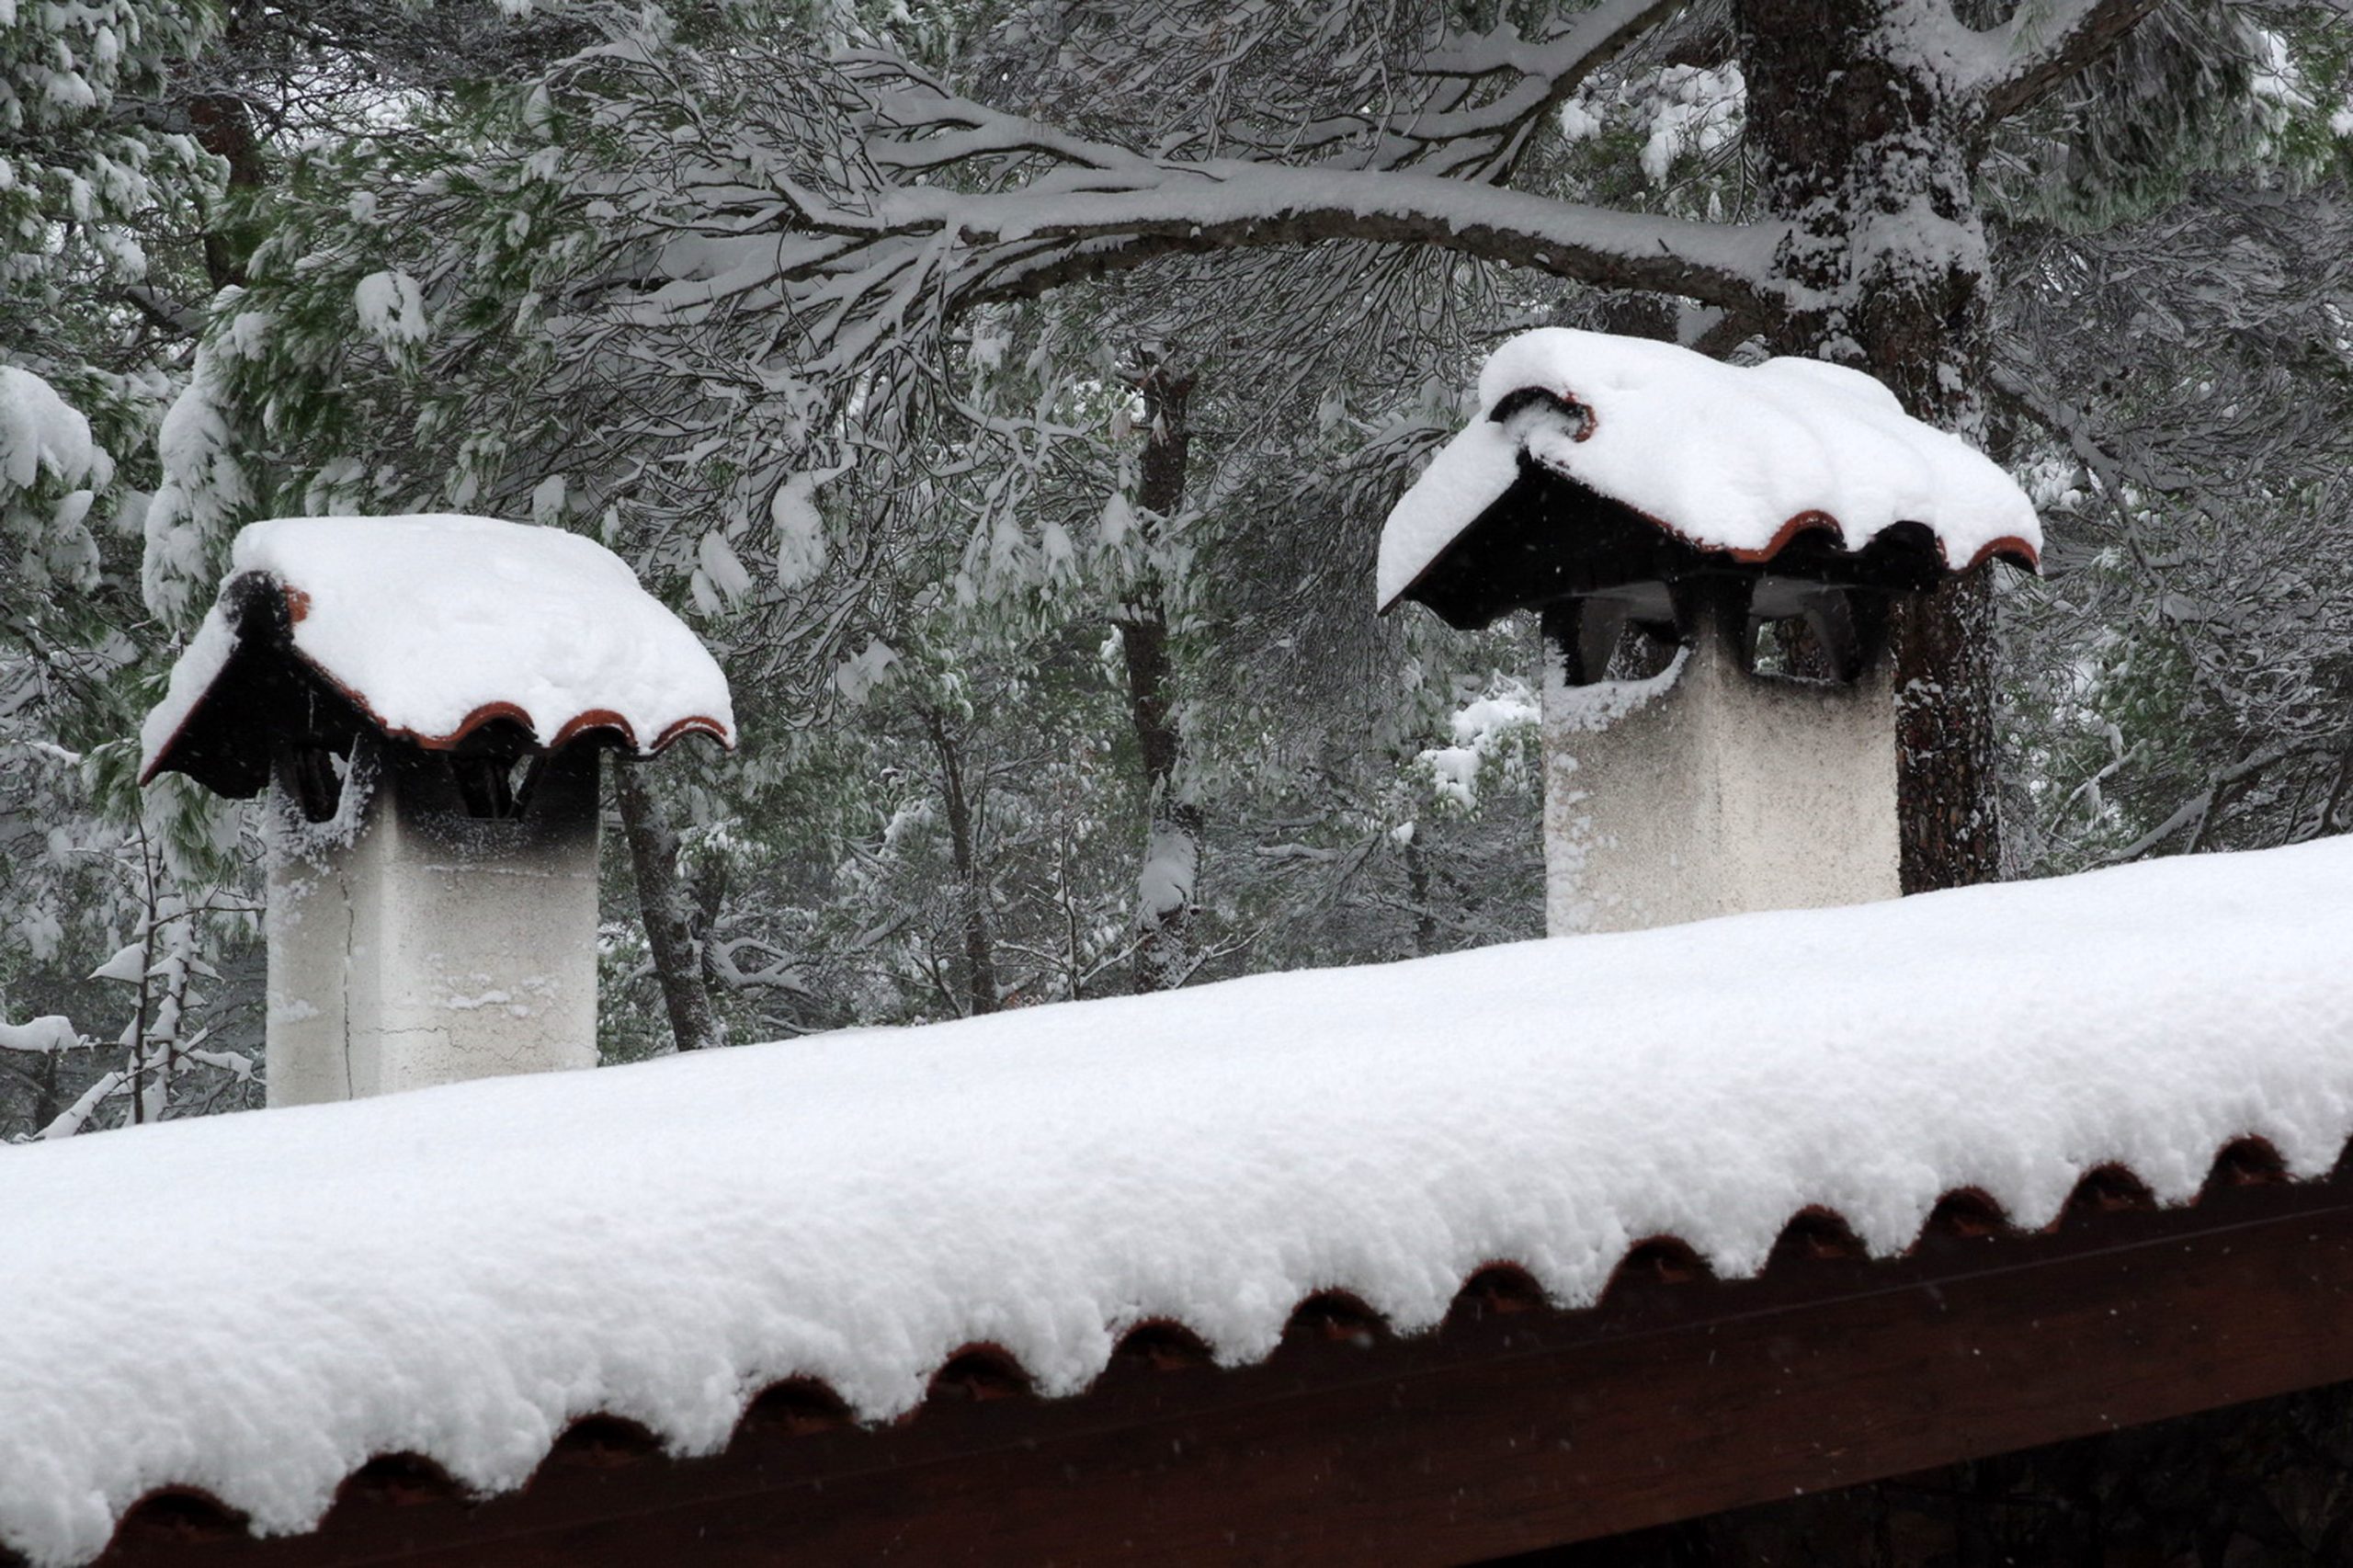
x,y
1514,1427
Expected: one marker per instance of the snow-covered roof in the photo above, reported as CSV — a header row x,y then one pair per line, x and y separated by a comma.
x,y
460,1272
1735,459
435,625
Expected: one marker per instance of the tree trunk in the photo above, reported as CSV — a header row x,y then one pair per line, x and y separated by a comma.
x,y
1869,154
1946,783
669,914
1418,893
1166,892
980,946
707,892
223,123
45,1101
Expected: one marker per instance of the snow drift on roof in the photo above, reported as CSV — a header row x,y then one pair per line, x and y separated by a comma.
x,y
434,625
458,1272
1728,458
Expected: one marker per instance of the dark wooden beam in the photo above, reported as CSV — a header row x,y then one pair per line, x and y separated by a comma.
x,y
1513,1427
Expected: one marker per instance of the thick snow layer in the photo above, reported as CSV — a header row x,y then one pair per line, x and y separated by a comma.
x,y
462,1271
41,430
429,620
1726,456
39,1036
390,307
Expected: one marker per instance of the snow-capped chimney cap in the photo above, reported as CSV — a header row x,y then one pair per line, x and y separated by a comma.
x,y
431,627
1729,459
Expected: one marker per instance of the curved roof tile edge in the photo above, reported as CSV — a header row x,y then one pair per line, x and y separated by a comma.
x,y
2018,553
993,1373
298,604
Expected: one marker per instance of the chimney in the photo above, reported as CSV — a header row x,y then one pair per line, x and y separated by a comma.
x,y
1712,551
425,700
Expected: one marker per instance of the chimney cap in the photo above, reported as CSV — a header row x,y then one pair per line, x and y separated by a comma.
x,y
431,627
1727,461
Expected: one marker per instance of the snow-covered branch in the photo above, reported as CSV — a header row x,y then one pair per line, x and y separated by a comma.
x,y
781,970
931,127
2042,46
1485,139
1180,209
938,202
42,1036
73,1117
1587,44
2198,811
2073,426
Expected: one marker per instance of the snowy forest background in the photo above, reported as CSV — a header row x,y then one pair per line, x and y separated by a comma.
x,y
1011,393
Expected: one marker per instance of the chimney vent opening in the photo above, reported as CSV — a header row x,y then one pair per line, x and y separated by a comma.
x,y
316,773
496,785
